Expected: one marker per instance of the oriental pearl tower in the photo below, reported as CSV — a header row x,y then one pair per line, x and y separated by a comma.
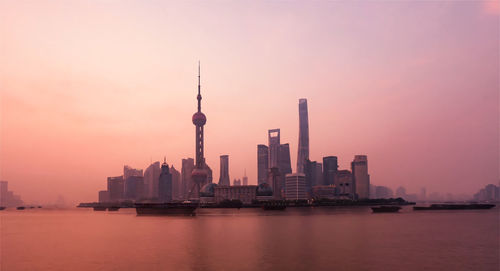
x,y
199,174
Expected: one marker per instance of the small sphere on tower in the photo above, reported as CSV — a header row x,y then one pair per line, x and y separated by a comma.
x,y
199,118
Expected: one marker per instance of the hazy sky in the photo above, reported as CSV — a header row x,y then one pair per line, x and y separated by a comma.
x,y
88,86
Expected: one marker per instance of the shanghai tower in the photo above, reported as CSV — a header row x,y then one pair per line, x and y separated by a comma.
x,y
303,150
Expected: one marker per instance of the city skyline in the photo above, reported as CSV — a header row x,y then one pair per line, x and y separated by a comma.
x,y
417,133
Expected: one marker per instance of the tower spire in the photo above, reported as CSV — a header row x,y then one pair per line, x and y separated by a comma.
x,y
199,88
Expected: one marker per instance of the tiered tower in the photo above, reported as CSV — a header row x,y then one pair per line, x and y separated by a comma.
x,y
199,174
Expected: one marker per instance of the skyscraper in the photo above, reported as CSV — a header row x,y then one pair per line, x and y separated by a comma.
x,y
274,147
176,184
285,164
199,173
186,178
262,163
303,149
151,176
330,168
361,179
165,184
224,170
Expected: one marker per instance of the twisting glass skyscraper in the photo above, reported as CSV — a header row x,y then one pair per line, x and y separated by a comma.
x,y
303,150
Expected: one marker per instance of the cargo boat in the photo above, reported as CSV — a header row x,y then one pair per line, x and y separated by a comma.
x,y
114,208
454,207
99,208
386,209
21,208
2,208
187,209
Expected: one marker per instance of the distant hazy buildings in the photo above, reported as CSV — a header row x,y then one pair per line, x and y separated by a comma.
x,y
134,188
245,179
176,184
274,147
116,188
7,197
262,163
295,187
224,170
285,164
490,193
275,181
345,184
236,182
151,176
361,178
246,193
303,149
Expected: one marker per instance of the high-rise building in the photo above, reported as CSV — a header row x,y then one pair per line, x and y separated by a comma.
x,y
176,184
104,196
275,181
134,187
151,177
199,173
116,188
129,171
236,182
330,168
274,147
262,163
165,184
285,164
295,187
303,149
344,183
187,180
361,178
314,173
224,170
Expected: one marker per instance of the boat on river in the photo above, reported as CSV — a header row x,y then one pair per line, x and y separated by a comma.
x,y
187,209
386,209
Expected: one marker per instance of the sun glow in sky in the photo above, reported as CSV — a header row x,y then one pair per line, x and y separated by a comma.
x,y
88,86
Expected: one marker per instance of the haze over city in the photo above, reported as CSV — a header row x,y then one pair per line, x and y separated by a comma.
x,y
89,87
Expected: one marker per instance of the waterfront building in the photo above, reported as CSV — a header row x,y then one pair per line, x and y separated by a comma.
x,y
246,193
104,196
151,177
134,187
303,149
361,178
165,184
176,184
116,188
186,179
324,192
199,173
295,187
330,169
344,184
262,163
224,170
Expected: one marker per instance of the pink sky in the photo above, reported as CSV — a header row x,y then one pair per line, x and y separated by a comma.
x,y
88,86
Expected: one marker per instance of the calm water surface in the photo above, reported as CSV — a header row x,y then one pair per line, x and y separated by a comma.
x,y
250,239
